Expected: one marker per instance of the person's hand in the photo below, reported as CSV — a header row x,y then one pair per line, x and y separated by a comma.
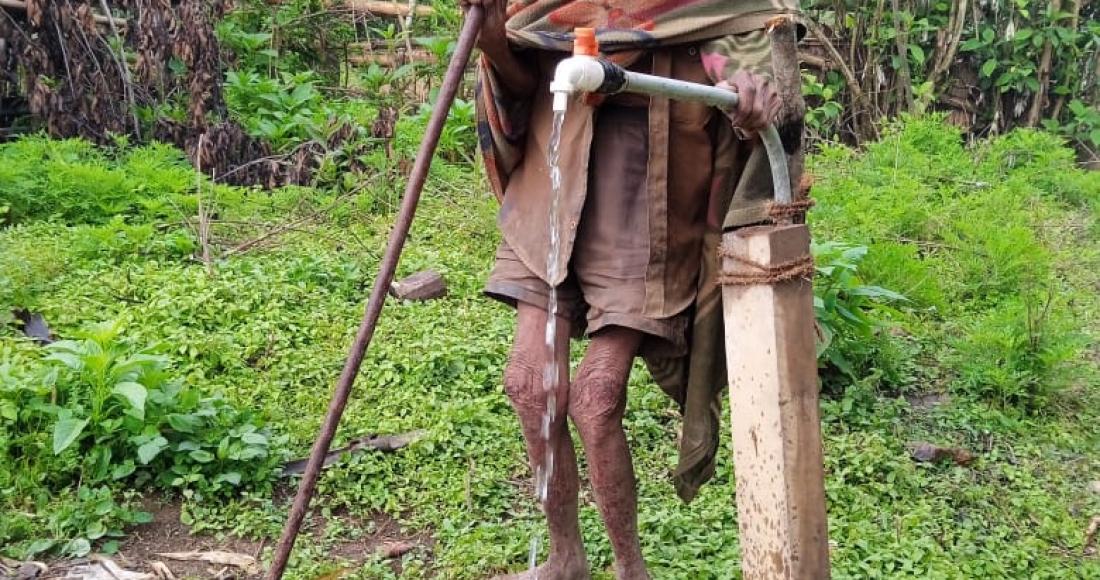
x,y
758,105
493,37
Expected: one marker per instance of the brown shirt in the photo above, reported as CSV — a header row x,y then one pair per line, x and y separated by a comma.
x,y
686,141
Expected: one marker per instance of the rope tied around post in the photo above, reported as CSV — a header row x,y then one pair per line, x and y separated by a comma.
x,y
779,212
801,267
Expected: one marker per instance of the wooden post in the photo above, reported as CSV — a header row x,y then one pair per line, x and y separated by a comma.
x,y
772,366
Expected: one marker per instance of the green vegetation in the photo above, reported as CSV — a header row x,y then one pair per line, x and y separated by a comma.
x,y
942,269
73,181
200,327
995,65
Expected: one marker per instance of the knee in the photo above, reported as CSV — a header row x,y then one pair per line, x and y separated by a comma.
x,y
597,401
523,384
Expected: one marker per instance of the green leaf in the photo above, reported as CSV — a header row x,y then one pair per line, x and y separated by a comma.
x,y
39,546
135,394
123,470
1094,136
841,363
9,411
917,52
137,364
988,68
68,359
96,530
231,477
65,432
78,548
970,45
202,456
184,423
877,292
151,449
254,439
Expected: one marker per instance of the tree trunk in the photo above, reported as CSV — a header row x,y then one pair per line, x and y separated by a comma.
x,y
1075,11
946,58
1044,74
858,95
901,41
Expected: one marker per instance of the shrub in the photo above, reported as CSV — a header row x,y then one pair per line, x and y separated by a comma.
x,y
74,182
1016,353
975,238
284,111
119,411
846,308
98,413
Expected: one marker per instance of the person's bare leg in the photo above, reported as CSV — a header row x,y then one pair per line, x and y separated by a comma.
x,y
523,381
597,401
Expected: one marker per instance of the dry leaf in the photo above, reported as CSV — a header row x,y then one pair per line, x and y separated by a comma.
x,y
396,549
162,571
105,569
1090,536
928,452
243,561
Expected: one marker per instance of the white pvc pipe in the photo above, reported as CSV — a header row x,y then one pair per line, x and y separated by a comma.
x,y
656,86
586,74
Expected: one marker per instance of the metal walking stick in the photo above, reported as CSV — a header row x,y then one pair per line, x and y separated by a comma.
x,y
386,270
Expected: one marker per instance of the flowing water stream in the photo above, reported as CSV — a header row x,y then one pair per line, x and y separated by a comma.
x,y
544,470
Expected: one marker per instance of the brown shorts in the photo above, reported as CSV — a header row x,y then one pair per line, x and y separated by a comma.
x,y
605,285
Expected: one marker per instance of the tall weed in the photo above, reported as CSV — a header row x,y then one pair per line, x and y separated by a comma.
x,y
973,237
74,182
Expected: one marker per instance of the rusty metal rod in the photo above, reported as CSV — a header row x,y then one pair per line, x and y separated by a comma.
x,y
419,174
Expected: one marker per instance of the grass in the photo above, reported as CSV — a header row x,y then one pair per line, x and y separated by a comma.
x,y
980,240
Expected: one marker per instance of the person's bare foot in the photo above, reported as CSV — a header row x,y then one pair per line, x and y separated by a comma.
x,y
554,569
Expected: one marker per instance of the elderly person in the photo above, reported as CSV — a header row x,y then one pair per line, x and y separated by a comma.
x,y
647,187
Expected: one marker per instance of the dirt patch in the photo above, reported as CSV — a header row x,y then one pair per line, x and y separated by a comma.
x,y
167,534
927,401
359,539
353,540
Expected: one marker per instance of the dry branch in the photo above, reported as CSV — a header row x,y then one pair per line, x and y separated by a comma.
x,y
99,18
387,8
123,68
383,7
246,563
853,85
362,53
814,61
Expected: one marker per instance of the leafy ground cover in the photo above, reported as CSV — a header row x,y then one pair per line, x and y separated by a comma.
x,y
984,340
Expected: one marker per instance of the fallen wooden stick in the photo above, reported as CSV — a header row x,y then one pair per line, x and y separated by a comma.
x,y
364,56
383,443
377,7
99,18
387,8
